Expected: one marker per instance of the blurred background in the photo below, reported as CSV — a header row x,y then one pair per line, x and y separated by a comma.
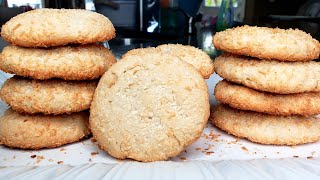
x,y
142,23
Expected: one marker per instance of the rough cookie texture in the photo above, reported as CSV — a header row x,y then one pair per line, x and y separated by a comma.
x,y
47,96
241,97
149,107
66,62
40,131
268,43
54,27
271,76
267,129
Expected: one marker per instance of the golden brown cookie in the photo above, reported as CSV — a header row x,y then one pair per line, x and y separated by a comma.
x,y
267,129
194,56
66,62
40,131
268,43
47,96
55,27
270,76
241,97
149,107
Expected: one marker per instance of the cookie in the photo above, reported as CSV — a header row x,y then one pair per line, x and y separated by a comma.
x,y
55,27
47,96
241,97
66,62
194,56
149,107
267,129
270,76
40,131
268,43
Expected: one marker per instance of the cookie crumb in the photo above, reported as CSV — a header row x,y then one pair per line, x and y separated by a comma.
x,y
244,148
94,153
183,158
197,149
310,157
209,152
93,140
62,149
50,160
60,162
295,156
33,156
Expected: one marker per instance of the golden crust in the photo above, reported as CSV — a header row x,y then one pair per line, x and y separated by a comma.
x,y
149,107
40,131
241,97
194,56
268,43
270,76
267,129
66,62
48,96
55,27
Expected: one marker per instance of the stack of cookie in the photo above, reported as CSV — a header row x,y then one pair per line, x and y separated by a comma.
x,y
271,86
57,65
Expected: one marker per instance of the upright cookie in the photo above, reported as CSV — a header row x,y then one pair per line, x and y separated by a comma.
x,y
268,43
270,76
149,107
55,27
66,62
47,96
241,97
40,131
194,56
267,129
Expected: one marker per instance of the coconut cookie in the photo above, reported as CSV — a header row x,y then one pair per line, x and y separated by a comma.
x,y
65,62
241,97
47,96
55,27
40,131
268,43
194,56
267,129
149,107
270,76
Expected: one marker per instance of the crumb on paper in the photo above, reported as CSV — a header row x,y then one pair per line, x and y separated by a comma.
x,y
185,151
278,152
94,153
33,156
295,156
62,149
14,157
197,149
50,160
90,160
183,158
310,157
39,159
209,153
93,140
244,149
60,162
